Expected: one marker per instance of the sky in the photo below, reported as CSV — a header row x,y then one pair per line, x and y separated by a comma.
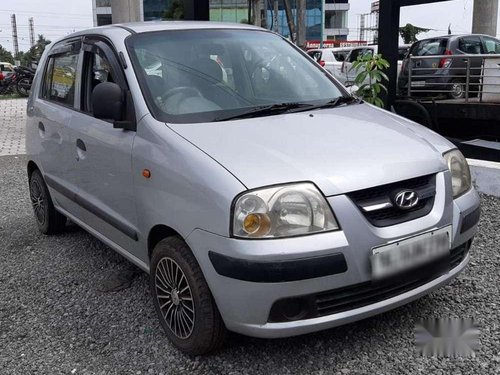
x,y
56,18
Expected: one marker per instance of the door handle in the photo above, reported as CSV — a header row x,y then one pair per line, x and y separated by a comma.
x,y
81,145
41,129
81,150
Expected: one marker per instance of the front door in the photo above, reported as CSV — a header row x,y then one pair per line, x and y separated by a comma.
x,y
106,192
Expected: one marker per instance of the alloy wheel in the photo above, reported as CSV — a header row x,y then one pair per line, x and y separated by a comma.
x,y
174,298
37,201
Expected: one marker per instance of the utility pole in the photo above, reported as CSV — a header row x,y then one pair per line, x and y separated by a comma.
x,y
275,16
32,31
290,20
256,7
323,15
301,23
484,20
14,34
126,11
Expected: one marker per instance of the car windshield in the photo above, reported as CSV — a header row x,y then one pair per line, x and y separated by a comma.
x,y
211,74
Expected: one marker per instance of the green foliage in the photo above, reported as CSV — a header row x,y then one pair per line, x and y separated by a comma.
x,y
409,33
175,11
370,67
6,56
34,53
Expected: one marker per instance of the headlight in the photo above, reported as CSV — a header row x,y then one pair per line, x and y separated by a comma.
x,y
460,172
282,211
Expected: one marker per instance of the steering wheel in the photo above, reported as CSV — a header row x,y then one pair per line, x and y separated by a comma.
x,y
184,91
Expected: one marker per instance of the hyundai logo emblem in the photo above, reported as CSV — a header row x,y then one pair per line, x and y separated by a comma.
x,y
406,199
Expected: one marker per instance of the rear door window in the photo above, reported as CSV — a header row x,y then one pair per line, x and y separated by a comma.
x,y
430,47
60,78
340,56
492,45
470,45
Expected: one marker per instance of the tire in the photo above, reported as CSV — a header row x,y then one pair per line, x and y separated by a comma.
x,y
457,89
184,304
48,219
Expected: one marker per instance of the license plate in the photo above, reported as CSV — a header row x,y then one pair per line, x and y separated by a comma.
x,y
418,84
410,253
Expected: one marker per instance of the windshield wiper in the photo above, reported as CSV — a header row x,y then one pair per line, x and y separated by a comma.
x,y
336,102
274,109
266,110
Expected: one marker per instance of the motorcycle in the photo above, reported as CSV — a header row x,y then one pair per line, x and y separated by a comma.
x,y
24,80
8,84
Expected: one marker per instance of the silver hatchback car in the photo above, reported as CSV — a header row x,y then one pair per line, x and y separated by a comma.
x,y
259,196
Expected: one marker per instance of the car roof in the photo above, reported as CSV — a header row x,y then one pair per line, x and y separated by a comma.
x,y
148,26
450,36
151,26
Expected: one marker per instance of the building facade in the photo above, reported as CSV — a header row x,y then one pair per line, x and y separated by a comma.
x,y
150,10
325,19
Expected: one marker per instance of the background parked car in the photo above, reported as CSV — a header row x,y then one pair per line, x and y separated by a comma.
x,y
6,69
447,75
331,59
402,52
348,75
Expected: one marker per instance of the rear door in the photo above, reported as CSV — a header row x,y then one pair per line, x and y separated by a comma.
x,y
104,153
470,45
53,111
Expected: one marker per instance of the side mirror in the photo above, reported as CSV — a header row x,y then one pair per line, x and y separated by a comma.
x,y
109,103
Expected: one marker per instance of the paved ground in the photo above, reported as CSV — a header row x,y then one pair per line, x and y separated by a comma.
x,y
12,120
57,317
59,314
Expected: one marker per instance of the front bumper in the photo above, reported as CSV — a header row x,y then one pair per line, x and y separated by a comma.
x,y
245,302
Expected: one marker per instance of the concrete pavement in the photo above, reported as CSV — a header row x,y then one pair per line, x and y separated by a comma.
x,y
12,122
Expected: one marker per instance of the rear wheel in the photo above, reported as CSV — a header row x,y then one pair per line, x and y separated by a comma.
x,y
48,219
182,299
457,89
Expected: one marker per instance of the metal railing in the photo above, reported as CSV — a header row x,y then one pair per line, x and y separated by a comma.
x,y
455,76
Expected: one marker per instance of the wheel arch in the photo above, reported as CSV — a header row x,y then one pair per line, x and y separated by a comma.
x,y
158,233
31,167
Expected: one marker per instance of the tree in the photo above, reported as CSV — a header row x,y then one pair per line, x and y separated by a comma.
x,y
175,11
369,68
34,53
409,33
290,20
6,56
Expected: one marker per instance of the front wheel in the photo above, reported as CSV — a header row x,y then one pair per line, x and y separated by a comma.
x,y
182,299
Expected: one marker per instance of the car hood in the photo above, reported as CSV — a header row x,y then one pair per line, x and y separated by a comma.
x,y
340,149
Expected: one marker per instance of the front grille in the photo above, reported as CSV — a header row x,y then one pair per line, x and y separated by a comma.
x,y
363,294
424,186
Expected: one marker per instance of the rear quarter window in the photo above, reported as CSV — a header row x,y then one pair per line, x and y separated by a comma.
x,y
431,47
315,55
